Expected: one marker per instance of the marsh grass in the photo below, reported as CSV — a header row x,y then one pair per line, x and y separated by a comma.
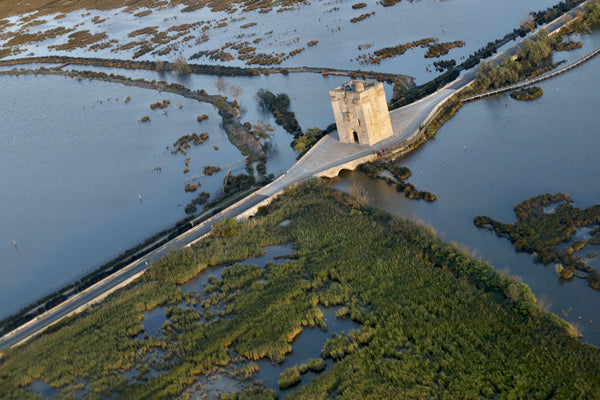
x,y
540,233
435,323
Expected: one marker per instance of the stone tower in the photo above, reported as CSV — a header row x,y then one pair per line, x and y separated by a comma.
x,y
361,112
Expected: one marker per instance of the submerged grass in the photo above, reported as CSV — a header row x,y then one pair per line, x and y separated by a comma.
x,y
434,322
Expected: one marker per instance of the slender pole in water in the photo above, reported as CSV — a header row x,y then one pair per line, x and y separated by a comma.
x,y
15,243
140,197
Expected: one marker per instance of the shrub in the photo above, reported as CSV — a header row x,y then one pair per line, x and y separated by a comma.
x,y
225,228
316,364
530,93
289,378
180,66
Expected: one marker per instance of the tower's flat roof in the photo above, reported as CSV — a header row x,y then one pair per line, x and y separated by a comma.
x,y
350,86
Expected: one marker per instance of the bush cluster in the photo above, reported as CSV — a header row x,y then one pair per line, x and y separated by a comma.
x,y
278,105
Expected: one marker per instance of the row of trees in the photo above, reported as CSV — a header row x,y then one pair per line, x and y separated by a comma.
x,y
530,59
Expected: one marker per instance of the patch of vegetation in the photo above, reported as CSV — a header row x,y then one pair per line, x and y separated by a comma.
x,y
237,183
161,105
296,51
80,39
529,93
200,200
533,58
191,187
568,46
361,17
289,378
21,39
183,143
394,51
278,105
428,307
201,117
539,230
210,169
225,228
145,118
377,169
316,364
312,135
441,49
142,13
254,392
444,65
357,6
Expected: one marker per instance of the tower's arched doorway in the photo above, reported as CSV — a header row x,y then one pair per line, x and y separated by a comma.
x,y
355,137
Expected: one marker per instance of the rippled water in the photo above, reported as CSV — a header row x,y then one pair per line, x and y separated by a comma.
x,y
498,152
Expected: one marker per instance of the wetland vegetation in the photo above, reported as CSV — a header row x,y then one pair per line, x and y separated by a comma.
x,y
244,286
530,93
424,309
395,175
547,222
279,105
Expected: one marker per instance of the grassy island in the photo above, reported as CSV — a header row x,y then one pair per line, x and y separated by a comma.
x,y
434,323
544,223
530,93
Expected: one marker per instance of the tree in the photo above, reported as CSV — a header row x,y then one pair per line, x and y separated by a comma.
x,y
262,131
180,65
235,91
220,84
537,51
591,12
495,76
528,23
225,228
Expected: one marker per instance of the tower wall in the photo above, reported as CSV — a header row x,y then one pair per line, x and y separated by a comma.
x,y
361,112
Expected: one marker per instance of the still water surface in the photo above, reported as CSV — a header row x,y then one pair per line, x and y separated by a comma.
x,y
73,159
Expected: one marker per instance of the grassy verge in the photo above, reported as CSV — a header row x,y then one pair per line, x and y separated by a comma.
x,y
435,323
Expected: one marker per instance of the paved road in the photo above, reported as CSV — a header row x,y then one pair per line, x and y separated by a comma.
x,y
326,154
